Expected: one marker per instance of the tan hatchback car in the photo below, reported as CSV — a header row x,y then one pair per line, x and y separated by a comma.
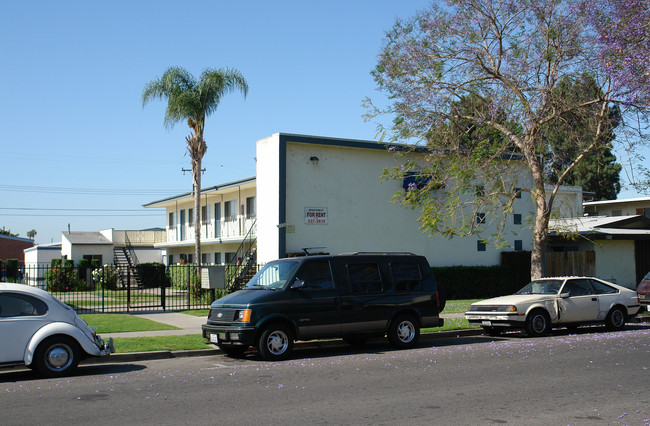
x,y
557,302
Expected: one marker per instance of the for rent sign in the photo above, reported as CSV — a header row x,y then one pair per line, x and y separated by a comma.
x,y
315,216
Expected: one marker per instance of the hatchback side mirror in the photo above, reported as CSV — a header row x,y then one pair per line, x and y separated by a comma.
x,y
565,295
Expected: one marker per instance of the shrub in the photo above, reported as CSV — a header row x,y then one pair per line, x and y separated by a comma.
x,y
106,277
152,275
476,282
12,270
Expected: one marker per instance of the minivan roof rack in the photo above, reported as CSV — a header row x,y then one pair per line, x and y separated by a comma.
x,y
380,253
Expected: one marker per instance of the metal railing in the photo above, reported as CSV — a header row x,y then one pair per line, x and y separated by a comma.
x,y
176,287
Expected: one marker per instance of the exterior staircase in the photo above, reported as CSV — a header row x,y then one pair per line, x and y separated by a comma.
x,y
128,274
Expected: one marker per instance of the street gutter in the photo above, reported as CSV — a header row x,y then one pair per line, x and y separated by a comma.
x,y
312,344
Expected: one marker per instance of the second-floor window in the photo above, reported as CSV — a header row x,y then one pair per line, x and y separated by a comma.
x,y
230,212
205,215
172,222
190,217
250,207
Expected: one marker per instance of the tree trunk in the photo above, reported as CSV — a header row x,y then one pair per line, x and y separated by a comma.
x,y
196,178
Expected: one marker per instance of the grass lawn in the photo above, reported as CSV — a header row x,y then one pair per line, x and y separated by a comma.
x,y
120,323
161,343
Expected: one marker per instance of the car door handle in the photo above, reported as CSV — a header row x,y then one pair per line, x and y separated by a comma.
x,y
594,299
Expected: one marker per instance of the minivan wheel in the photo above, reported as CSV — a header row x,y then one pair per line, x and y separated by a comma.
x,y
404,331
616,319
275,342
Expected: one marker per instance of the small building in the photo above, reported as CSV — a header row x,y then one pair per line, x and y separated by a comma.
x,y
12,247
613,248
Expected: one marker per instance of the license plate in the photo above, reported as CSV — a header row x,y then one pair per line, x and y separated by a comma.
x,y
213,338
488,323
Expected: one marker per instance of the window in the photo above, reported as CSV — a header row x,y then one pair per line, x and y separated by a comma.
x,y
182,224
190,217
230,212
250,207
480,217
603,288
517,192
578,288
170,259
617,213
171,223
205,214
217,258
204,258
518,245
364,278
90,258
406,276
316,275
230,257
480,190
480,245
516,218
21,305
190,258
217,219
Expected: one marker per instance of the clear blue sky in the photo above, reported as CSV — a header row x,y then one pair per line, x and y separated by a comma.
x,y
74,135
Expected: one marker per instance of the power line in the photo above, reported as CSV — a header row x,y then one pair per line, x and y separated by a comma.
x,y
74,210
85,191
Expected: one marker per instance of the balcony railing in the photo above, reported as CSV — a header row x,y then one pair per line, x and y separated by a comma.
x,y
238,227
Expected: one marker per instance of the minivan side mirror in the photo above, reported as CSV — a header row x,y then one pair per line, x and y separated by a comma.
x,y
298,284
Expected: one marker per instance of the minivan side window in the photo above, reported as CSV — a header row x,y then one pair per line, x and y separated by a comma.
x,y
406,276
316,274
364,278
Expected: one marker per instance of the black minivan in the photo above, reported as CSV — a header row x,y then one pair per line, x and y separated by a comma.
x,y
353,296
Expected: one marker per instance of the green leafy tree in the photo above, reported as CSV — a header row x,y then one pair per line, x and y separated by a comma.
x,y
4,231
598,172
512,55
193,99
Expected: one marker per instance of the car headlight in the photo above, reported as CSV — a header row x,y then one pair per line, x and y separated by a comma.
x,y
511,308
244,315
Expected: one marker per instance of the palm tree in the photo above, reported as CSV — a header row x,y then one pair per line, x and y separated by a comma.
x,y
193,100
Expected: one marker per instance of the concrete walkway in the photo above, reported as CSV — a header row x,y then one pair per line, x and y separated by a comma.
x,y
187,324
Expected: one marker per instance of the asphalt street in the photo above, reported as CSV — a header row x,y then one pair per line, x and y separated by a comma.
x,y
584,378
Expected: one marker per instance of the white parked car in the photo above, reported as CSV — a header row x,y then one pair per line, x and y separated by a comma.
x,y
557,302
38,330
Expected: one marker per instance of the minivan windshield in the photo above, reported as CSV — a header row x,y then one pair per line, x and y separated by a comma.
x,y
274,275
542,287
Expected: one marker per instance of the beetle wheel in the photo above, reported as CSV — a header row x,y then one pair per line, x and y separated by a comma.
x,y
56,356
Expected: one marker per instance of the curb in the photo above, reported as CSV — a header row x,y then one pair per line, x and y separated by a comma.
x,y
330,343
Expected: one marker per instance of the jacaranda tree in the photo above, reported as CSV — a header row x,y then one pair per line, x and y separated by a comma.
x,y
192,100
507,57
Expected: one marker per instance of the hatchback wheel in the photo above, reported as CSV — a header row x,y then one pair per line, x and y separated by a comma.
x,y
538,323
616,319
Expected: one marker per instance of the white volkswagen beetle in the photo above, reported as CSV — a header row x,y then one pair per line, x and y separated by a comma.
x,y
43,333
553,302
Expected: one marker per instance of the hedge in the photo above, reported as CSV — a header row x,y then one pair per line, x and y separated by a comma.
x,y
481,282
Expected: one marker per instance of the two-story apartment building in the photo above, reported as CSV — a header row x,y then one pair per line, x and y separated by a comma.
x,y
320,194
228,222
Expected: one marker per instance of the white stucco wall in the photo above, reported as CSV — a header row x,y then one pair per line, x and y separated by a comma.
x,y
268,186
360,215
78,252
615,262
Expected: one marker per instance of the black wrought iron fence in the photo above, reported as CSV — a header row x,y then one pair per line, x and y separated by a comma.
x,y
123,288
